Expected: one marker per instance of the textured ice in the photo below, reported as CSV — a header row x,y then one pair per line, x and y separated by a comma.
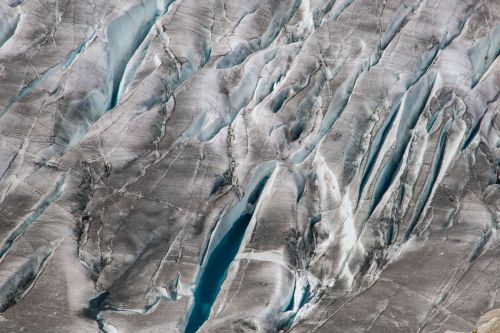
x,y
249,166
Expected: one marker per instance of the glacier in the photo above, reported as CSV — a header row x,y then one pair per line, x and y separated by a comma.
x,y
215,166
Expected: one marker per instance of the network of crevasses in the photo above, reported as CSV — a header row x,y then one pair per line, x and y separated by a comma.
x,y
431,58
372,157
243,96
229,231
437,170
220,125
244,50
200,124
441,161
379,140
340,103
447,146
227,240
139,19
121,54
424,66
132,65
426,63
36,83
411,85
412,107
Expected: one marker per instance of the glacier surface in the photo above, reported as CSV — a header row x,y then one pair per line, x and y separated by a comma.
x,y
216,166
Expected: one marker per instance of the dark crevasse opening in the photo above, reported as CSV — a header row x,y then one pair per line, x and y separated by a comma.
x,y
288,320
96,305
434,171
122,50
126,34
215,273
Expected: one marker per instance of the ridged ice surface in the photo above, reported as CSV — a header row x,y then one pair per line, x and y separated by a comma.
x,y
264,166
